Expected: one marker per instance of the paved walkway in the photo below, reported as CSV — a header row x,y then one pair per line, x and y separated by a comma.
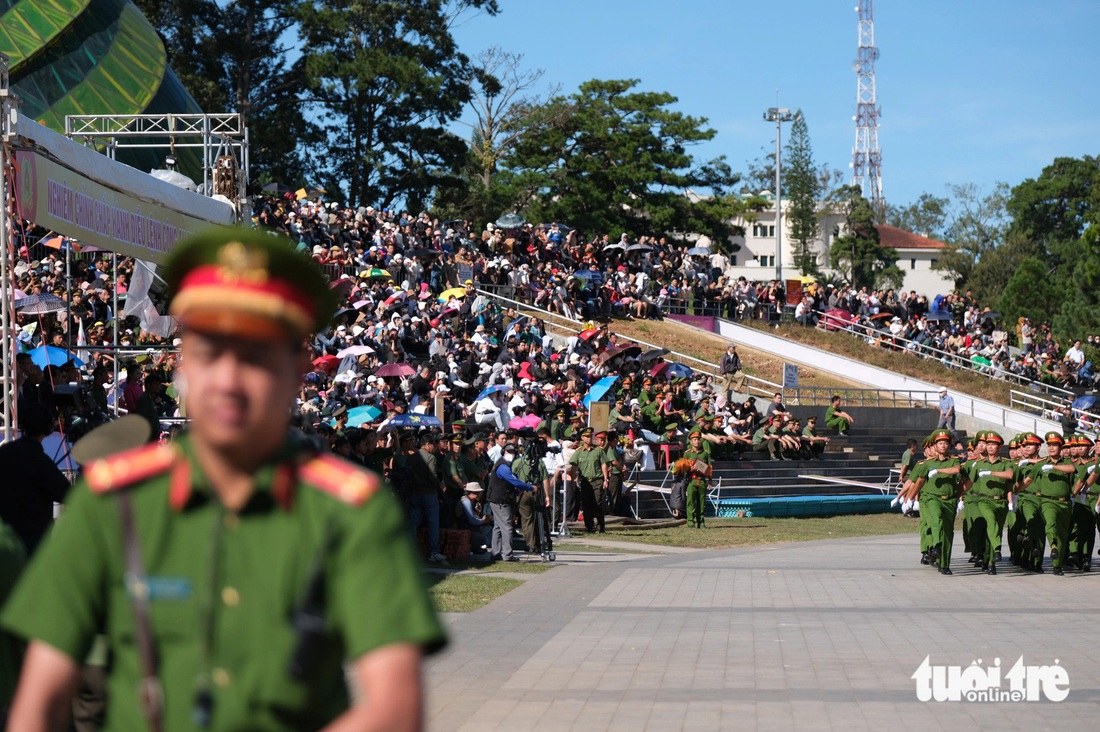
x,y
819,635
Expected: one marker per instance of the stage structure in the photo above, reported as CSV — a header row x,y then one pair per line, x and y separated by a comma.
x,y
86,195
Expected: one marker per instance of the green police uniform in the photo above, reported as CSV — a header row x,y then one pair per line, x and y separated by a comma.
x,y
589,463
527,503
938,502
989,502
1054,489
1088,542
222,587
696,488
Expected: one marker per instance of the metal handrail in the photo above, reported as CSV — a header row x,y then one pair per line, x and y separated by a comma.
x,y
856,397
761,386
1029,402
991,372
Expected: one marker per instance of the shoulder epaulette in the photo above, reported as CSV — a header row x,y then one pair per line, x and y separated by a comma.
x,y
125,469
340,479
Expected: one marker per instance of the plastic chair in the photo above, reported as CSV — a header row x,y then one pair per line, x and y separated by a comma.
x,y
665,455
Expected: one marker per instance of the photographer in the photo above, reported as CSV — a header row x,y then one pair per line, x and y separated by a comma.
x,y
531,469
503,485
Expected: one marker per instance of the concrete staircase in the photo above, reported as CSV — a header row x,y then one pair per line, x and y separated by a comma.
x,y
867,455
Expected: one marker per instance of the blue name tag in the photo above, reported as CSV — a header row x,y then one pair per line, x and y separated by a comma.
x,y
163,588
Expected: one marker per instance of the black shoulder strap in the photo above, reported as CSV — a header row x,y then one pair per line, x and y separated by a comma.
x,y
150,691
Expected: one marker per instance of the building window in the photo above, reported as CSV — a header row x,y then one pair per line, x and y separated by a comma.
x,y
932,264
763,230
766,260
913,263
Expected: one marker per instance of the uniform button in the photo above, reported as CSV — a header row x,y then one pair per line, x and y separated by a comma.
x,y
220,677
232,521
231,597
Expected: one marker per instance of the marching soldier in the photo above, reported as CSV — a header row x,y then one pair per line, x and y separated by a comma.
x,y
1087,489
234,570
936,481
990,479
1052,481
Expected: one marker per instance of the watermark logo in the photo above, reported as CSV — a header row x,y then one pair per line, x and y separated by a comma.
x,y
979,683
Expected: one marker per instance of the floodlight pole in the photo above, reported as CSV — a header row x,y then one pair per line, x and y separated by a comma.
x,y
779,115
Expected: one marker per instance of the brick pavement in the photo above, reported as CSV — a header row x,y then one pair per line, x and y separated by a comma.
x,y
818,635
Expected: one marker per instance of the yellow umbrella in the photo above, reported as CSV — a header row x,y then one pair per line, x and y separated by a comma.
x,y
808,280
453,292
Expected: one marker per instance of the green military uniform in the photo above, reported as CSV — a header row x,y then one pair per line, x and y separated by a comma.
x,y
528,501
1082,523
939,501
588,461
1027,507
217,623
833,421
1054,489
989,504
1087,539
697,486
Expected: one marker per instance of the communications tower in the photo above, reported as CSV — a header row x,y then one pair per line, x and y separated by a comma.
x,y
867,156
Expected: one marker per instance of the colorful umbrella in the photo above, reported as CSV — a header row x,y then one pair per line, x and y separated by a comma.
x,y
453,292
599,389
415,420
358,416
377,274
493,390
511,221
354,351
51,356
585,335
40,304
326,362
624,350
395,369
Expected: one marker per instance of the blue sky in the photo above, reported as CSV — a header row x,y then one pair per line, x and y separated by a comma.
x,y
971,91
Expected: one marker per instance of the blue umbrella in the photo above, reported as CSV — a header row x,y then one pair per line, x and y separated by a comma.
x,y
679,370
40,304
513,324
493,389
415,420
51,356
599,389
1084,403
359,416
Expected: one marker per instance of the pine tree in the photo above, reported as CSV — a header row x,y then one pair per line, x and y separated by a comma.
x,y
802,188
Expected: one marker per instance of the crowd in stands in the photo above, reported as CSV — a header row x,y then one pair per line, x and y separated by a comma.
x,y
417,338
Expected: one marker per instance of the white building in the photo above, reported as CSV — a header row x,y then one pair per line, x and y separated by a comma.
x,y
756,258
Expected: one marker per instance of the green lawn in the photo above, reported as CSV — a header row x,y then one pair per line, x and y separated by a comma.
x,y
725,533
462,593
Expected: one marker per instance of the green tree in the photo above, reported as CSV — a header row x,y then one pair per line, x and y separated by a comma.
x,y
976,226
989,277
502,110
1056,207
926,216
620,162
803,190
234,56
1029,292
1079,315
386,80
859,251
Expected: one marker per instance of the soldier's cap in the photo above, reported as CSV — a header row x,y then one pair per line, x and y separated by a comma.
x,y
671,427
1053,438
246,282
1084,441
601,433
458,424
695,433
1030,438
708,418
811,419
939,435
586,432
1071,441
577,418
991,436
456,439
339,411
